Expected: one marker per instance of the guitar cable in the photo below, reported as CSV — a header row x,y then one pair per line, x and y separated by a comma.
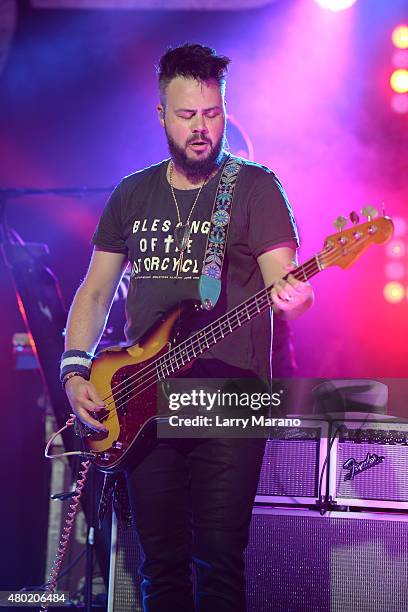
x,y
323,502
55,572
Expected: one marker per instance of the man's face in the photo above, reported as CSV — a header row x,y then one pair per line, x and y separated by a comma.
x,y
194,121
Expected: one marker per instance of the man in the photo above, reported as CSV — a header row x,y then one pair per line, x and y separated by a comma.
x,y
191,499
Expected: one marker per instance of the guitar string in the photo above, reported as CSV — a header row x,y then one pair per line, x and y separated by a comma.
x,y
169,356
156,377
150,382
169,359
140,386
191,343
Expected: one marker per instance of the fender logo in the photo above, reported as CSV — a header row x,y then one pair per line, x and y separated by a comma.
x,y
356,467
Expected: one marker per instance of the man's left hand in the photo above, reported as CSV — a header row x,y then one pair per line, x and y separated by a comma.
x,y
291,296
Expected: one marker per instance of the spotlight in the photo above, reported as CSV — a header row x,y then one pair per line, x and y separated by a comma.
x,y
394,292
400,36
336,5
395,249
399,80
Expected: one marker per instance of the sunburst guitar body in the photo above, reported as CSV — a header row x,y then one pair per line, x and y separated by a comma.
x,y
127,380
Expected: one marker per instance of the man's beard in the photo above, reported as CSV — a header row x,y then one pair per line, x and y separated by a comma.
x,y
196,169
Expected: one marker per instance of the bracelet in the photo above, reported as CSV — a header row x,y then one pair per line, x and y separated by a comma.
x,y
77,361
71,375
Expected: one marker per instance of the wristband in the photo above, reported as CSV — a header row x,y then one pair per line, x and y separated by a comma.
x,y
75,361
71,375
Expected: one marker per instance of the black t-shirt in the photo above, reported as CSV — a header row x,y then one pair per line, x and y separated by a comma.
x,y
139,220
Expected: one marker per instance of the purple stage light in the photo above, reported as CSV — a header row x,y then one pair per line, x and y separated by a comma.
x,y
336,5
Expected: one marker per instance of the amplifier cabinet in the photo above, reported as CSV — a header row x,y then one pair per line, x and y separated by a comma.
x,y
369,465
299,561
124,593
293,461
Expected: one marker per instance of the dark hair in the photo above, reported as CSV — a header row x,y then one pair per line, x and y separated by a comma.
x,y
191,61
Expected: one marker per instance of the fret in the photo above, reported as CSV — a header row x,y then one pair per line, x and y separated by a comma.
x,y
199,338
247,312
192,348
222,333
167,371
157,371
229,324
171,361
257,305
176,356
213,334
302,269
267,298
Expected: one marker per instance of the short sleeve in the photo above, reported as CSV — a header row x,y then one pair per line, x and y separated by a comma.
x,y
109,235
271,220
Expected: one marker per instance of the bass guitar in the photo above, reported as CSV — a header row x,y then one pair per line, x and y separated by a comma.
x,y
126,377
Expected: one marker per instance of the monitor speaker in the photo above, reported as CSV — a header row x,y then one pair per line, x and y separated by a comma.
x,y
293,461
369,465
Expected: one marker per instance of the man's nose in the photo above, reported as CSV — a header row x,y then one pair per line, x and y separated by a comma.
x,y
199,124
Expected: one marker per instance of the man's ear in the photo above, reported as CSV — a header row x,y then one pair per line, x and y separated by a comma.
x,y
160,111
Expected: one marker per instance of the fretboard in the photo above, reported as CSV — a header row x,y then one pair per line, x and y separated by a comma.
x,y
185,352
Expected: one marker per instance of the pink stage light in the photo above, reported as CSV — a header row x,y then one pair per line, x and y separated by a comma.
x,y
395,249
394,292
399,80
336,5
400,36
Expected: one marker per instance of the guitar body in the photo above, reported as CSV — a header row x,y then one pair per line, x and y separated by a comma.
x,y
130,417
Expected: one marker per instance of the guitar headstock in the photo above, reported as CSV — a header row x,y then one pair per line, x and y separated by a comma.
x,y
345,247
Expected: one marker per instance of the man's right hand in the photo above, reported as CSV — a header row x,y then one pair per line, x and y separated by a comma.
x,y
84,399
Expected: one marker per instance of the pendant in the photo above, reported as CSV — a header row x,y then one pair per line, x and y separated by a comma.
x,y
181,236
179,263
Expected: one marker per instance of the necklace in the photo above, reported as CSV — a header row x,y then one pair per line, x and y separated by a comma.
x,y
182,230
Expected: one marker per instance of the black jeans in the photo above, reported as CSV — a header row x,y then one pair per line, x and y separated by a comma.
x,y
192,501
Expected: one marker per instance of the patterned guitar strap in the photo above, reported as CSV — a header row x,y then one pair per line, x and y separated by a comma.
x,y
209,285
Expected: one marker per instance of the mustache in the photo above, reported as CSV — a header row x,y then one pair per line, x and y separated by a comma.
x,y
199,138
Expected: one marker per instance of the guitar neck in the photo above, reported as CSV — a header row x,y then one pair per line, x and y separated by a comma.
x,y
185,352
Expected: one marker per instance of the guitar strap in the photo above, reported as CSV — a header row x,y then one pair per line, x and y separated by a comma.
x,y
209,285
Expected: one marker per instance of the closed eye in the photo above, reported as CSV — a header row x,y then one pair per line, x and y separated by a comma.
x,y
186,114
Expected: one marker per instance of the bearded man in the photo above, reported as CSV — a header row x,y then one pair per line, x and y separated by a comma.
x,y
191,498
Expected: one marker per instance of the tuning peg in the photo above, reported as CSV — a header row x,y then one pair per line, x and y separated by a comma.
x,y
354,218
340,222
370,212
